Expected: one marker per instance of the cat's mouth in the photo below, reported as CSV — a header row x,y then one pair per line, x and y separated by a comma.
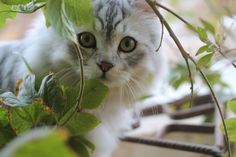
x,y
104,78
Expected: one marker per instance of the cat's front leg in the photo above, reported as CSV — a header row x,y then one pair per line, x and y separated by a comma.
x,y
105,140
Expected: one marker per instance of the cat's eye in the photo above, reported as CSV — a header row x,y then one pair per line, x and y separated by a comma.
x,y
127,44
87,40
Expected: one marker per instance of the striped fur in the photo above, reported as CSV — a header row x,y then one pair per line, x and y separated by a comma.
x,y
114,20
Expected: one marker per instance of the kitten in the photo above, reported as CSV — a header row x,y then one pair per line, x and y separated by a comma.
x,y
120,50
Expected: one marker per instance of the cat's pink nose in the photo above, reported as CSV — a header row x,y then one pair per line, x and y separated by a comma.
x,y
105,66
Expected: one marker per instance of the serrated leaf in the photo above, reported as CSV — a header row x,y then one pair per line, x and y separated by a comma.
x,y
81,123
205,61
208,26
94,93
232,105
202,34
39,143
3,118
58,18
5,13
80,12
231,128
24,118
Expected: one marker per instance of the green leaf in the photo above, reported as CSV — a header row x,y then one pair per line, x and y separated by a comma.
x,y
58,18
192,28
79,147
202,49
208,26
81,123
15,2
231,128
179,75
214,77
6,135
94,93
87,143
232,105
80,12
93,89
5,13
202,34
3,118
218,38
205,61
39,143
24,118
205,48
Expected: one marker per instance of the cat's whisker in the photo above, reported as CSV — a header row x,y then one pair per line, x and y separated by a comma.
x,y
75,82
131,94
136,82
67,76
62,71
121,95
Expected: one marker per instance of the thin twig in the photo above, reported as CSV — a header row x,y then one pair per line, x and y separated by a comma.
x,y
217,104
82,84
172,12
162,36
186,56
178,44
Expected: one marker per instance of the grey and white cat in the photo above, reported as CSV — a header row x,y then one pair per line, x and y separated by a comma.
x,y
119,50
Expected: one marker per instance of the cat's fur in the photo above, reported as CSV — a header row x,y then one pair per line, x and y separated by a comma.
x,y
128,79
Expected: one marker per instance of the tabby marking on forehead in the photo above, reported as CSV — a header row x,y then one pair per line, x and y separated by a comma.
x,y
110,14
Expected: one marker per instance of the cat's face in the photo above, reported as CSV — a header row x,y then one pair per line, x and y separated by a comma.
x,y
119,43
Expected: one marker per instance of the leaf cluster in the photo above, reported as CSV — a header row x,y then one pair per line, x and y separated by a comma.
x,y
52,105
62,15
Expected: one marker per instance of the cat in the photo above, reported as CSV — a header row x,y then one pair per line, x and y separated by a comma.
x,y
120,50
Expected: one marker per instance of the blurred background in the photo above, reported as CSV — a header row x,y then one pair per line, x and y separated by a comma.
x,y
191,10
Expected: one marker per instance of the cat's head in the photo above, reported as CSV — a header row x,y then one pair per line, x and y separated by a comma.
x,y
118,46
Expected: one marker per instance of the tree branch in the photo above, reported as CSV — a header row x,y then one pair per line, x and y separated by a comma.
x,y
186,57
